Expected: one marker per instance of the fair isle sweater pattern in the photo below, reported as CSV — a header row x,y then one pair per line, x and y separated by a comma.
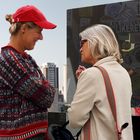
x,y
25,95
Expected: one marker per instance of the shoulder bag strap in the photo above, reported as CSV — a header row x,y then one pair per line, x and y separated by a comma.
x,y
109,91
111,99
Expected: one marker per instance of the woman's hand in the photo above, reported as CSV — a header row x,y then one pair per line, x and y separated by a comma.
x,y
79,70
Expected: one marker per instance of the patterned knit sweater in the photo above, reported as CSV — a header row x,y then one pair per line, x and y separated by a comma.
x,y
25,95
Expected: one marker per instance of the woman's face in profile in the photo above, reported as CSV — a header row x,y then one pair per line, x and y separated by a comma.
x,y
85,52
31,36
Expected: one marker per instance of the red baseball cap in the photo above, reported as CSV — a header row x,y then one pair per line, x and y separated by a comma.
x,y
30,13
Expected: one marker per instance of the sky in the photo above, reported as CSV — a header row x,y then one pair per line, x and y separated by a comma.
x,y
53,46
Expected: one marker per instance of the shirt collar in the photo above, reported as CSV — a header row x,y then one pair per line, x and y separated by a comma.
x,y
24,54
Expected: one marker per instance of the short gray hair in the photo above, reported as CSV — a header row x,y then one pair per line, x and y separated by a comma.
x,y
102,41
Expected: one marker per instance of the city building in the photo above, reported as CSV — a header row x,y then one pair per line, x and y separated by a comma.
x,y
51,72
64,83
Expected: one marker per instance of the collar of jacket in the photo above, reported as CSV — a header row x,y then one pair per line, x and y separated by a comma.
x,y
104,60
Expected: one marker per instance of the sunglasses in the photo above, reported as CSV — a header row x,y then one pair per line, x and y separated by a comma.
x,y
82,42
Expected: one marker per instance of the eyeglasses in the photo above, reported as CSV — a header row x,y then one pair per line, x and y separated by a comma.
x,y
82,42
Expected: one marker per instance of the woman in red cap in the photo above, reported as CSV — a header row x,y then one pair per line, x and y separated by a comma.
x,y
25,94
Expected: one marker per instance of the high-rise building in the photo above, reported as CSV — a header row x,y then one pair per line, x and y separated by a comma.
x,y
64,83
50,71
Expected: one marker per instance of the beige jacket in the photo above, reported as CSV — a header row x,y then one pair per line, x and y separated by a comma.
x,y
90,101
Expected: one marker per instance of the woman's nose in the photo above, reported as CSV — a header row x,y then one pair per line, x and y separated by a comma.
x,y
80,49
41,37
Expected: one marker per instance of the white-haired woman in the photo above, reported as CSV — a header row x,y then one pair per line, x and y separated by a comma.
x,y
99,47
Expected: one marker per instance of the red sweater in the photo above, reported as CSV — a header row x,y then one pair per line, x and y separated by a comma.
x,y
25,95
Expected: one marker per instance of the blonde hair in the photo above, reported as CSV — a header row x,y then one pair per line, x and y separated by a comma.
x,y
15,26
102,41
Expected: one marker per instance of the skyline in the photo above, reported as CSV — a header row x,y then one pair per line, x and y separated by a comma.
x,y
53,46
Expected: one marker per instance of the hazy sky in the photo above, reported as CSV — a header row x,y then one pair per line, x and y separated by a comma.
x,y
53,46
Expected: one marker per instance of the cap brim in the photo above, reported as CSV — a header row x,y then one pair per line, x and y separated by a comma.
x,y
46,25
